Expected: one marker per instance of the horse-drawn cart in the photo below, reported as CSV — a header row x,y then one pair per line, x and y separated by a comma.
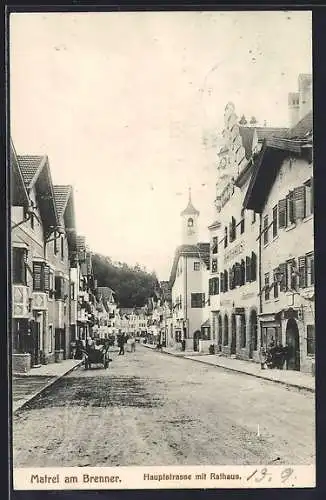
x,y
94,356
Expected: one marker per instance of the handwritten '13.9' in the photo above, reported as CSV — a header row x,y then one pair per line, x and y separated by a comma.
x,y
264,474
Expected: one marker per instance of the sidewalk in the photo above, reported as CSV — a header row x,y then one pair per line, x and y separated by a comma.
x,y
286,377
27,386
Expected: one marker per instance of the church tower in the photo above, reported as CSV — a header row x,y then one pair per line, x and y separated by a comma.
x,y
190,223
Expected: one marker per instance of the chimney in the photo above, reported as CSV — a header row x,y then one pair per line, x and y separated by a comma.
x,y
294,108
305,94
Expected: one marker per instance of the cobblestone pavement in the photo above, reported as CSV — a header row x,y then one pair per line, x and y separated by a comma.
x,y
152,409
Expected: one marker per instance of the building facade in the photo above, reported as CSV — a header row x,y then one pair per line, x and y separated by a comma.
x,y
282,192
189,283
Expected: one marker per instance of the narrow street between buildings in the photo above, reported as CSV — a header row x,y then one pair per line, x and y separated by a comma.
x,y
148,408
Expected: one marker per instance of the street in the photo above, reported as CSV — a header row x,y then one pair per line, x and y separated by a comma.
x,y
150,408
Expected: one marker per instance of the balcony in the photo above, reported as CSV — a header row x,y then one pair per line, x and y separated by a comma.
x,y
20,301
39,301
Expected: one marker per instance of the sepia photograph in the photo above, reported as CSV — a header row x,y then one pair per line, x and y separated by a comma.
x,y
162,314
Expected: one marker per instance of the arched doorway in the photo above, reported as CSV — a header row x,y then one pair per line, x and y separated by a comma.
x,y
220,334
233,334
226,331
292,340
197,337
253,334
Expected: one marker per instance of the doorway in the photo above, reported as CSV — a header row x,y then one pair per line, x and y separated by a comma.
x,y
293,342
35,343
233,334
253,334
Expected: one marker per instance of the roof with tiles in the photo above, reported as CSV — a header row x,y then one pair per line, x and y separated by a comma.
x,y
303,128
201,250
61,197
29,166
267,132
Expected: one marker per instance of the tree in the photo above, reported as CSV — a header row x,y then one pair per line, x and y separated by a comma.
x,y
253,120
132,285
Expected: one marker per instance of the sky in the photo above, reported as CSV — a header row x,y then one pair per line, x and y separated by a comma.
x,y
129,108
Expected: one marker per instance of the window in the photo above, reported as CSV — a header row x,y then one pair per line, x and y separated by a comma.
x,y
275,221
51,284
62,253
311,340
243,333
292,274
283,277
50,338
310,269
266,286
242,222
233,225
225,281
226,331
59,287
19,266
55,243
243,273
282,213
215,245
225,237
299,195
32,220
253,267
302,265
275,283
265,230
72,291
197,300
248,269
290,208
214,265
222,282
190,222
253,217
214,286
41,277
196,266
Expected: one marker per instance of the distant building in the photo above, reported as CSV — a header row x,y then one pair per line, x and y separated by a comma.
x,y
189,283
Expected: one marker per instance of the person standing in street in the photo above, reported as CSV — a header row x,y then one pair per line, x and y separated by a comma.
x,y
133,344
262,357
121,344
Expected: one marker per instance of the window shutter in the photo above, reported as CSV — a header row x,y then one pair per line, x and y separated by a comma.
x,y
299,202
46,278
302,264
312,196
283,271
248,269
253,267
210,286
217,286
222,282
290,202
282,213
37,280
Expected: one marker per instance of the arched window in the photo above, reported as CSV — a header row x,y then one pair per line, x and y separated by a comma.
x,y
226,330
243,336
190,222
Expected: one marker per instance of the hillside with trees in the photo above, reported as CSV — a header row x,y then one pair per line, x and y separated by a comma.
x,y
132,285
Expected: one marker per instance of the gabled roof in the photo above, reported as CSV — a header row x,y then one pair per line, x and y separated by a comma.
x,y
61,198
201,251
19,195
36,173
267,165
31,166
105,292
